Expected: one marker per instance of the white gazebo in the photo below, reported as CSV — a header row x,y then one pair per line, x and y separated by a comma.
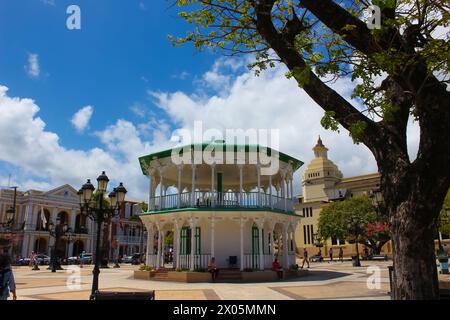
x,y
231,210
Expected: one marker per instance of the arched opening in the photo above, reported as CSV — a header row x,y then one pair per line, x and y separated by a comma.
x,y
80,224
63,217
78,248
40,246
43,220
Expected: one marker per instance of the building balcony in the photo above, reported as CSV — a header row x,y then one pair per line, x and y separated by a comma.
x,y
221,201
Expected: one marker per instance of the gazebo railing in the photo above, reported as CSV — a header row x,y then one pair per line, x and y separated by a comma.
x,y
249,200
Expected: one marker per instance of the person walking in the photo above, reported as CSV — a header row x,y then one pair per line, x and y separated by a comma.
x,y
7,282
305,258
341,254
330,254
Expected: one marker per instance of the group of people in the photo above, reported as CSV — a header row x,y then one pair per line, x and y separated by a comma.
x,y
212,268
319,257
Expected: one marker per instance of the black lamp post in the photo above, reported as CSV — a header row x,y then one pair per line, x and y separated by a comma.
x,y
57,231
94,208
356,227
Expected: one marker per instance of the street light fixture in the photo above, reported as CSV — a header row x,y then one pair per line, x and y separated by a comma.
x,y
356,226
57,231
95,209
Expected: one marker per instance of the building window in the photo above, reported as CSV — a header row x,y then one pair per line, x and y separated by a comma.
x,y
304,234
308,237
185,240
198,241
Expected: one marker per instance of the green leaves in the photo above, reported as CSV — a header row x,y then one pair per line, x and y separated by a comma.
x,y
329,121
334,218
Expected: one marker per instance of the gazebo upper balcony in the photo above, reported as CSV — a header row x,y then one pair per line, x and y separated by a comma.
x,y
217,176
222,201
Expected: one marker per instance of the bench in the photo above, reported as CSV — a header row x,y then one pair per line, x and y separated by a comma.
x,y
112,295
379,257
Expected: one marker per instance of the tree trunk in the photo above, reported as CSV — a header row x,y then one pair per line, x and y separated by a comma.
x,y
413,203
414,257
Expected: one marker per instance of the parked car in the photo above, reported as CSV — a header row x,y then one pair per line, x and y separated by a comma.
x,y
127,259
87,258
24,262
42,259
73,260
137,258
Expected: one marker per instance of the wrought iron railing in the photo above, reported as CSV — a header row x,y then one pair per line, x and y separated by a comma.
x,y
250,200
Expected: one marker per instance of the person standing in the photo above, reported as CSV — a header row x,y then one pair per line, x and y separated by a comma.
x,y
305,257
213,269
330,254
341,254
82,258
7,282
276,266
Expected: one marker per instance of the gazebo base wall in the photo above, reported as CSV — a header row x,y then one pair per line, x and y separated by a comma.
x,y
202,277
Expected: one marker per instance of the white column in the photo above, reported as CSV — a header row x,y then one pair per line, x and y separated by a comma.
x,y
193,248
161,189
212,185
258,172
285,249
54,215
177,248
193,186
150,192
283,191
158,255
26,240
149,244
291,188
163,249
261,249
241,182
213,222
270,192
242,243
271,243
73,217
180,169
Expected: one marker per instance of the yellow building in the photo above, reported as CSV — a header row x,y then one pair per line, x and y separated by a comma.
x,y
322,183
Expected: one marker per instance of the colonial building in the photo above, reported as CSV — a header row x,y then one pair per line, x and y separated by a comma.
x,y
127,231
323,182
227,209
35,209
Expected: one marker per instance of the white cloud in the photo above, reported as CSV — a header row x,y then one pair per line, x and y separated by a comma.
x,y
33,69
43,163
80,120
272,101
268,101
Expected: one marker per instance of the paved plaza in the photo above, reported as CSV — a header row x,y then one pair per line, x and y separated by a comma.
x,y
337,280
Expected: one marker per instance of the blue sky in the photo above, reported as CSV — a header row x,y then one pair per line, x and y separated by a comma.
x,y
121,52
128,89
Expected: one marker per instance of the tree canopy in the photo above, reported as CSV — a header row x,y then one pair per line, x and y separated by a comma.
x,y
320,41
334,222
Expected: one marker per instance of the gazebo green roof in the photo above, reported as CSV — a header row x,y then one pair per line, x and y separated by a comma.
x,y
296,163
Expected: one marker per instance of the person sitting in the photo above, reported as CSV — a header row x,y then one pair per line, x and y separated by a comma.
x,y
213,269
277,268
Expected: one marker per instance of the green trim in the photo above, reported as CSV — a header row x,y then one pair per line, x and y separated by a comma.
x,y
292,213
296,163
